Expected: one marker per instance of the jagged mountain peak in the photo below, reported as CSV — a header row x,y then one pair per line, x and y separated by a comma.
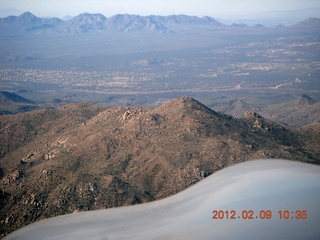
x,y
185,103
28,18
239,105
84,22
237,108
12,97
30,23
87,19
128,23
124,18
238,102
27,15
208,19
94,17
187,20
212,21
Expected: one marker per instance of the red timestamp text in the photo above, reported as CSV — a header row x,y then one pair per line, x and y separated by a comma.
x,y
262,214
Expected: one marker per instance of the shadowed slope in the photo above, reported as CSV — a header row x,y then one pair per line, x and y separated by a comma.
x,y
257,186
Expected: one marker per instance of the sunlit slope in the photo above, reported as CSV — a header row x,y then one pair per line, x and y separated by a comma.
x,y
252,189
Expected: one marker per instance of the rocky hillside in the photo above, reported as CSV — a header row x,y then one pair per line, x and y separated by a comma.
x,y
84,157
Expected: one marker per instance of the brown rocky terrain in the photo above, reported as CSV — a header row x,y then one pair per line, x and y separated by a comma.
x,y
84,157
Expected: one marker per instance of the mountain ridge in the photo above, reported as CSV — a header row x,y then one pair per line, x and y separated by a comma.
x,y
86,22
84,157
309,22
28,21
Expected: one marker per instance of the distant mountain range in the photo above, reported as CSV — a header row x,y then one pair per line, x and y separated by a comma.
x,y
310,22
302,111
86,22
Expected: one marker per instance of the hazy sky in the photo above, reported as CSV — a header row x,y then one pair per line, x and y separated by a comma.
x,y
214,8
